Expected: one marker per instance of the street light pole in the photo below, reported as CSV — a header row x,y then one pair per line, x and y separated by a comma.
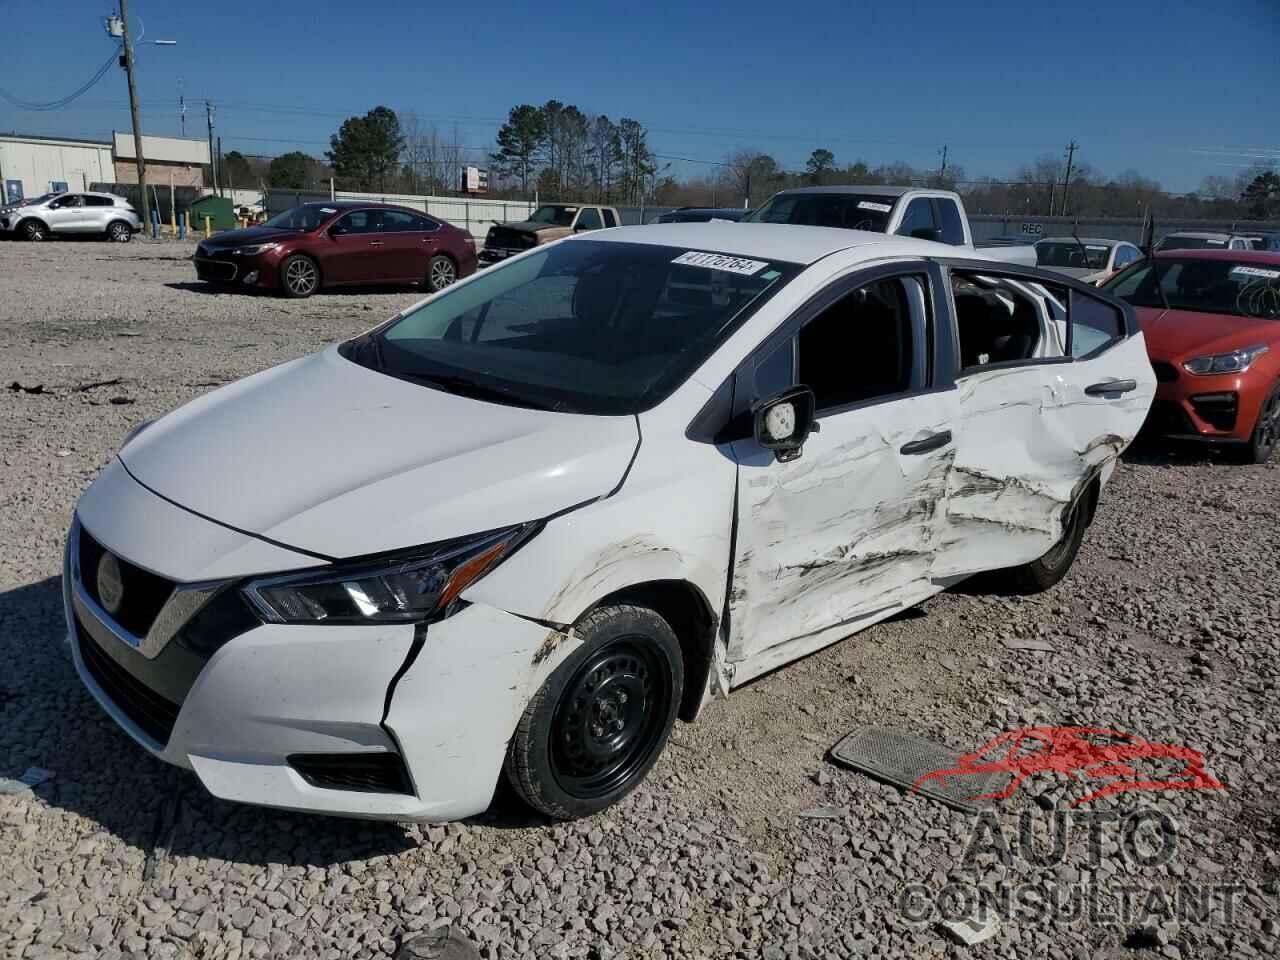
x,y
133,109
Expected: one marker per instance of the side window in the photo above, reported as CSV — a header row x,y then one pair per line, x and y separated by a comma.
x,y
776,372
588,219
1093,324
98,201
950,223
863,346
70,200
397,221
1125,255
609,219
918,218
424,225
1002,320
357,221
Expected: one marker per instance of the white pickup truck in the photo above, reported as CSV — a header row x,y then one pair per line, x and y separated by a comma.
x,y
906,211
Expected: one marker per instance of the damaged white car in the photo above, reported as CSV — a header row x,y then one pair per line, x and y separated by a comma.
x,y
529,522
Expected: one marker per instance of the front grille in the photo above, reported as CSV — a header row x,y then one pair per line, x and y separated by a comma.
x,y
511,239
215,270
1217,409
1165,372
152,713
144,593
1169,418
366,772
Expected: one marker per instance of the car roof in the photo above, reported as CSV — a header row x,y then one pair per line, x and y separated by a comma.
x,y
1200,235
1268,257
785,242
360,205
1094,240
870,190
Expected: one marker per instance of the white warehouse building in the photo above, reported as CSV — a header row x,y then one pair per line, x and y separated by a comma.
x,y
30,166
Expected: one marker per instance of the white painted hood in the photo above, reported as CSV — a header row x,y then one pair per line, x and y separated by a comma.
x,y
328,456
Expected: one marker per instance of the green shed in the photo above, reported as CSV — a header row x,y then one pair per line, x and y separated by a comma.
x,y
220,211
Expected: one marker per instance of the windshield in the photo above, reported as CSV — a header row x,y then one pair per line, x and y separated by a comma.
x,y
1205,286
582,327
852,211
309,216
1192,243
554,214
1068,253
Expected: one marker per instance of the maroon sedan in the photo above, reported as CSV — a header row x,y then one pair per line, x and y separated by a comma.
x,y
331,244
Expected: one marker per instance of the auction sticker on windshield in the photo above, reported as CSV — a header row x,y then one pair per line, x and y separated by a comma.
x,y
1256,272
719,261
872,205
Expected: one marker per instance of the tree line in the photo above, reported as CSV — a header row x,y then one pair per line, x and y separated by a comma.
x,y
558,151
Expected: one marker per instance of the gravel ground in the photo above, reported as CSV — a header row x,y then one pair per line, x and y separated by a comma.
x,y
745,841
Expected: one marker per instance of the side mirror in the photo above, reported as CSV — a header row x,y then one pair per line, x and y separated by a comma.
x,y
927,233
783,422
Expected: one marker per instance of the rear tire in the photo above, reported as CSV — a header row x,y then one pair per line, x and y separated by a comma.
x,y
441,272
600,721
119,232
1266,432
1039,575
299,276
33,230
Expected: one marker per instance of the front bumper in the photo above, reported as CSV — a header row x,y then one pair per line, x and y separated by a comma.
x,y
271,713
497,254
223,268
1221,408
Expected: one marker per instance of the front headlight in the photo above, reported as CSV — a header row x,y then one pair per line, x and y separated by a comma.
x,y
254,249
1237,361
407,587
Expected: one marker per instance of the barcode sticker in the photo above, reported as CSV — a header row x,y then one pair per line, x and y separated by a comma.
x,y
720,261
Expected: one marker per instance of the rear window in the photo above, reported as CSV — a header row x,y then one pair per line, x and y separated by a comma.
x,y
850,211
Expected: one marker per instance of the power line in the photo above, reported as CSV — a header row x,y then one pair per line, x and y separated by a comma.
x,y
69,98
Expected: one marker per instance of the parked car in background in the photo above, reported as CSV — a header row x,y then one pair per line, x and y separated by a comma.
x,y
1086,258
1265,241
72,214
319,245
528,522
551,221
1212,325
702,214
1198,240
937,215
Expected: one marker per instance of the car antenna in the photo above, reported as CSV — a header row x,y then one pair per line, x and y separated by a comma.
x,y
1075,235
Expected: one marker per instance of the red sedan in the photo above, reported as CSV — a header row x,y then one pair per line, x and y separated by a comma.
x,y
333,244
1211,319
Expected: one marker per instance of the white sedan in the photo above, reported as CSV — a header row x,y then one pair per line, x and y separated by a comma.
x,y
525,525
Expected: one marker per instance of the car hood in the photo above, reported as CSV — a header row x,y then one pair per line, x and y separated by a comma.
x,y
544,230
1176,333
324,455
234,238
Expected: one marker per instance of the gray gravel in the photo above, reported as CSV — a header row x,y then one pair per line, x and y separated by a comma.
x,y
745,841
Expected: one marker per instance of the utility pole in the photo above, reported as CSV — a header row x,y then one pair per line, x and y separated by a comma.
x,y
133,109
182,114
213,160
942,171
1072,147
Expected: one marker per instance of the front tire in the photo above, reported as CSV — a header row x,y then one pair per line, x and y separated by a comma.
x,y
119,232
600,721
34,230
1266,432
299,276
1039,575
441,272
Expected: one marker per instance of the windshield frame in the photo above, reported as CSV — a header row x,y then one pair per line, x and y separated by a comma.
x,y
373,349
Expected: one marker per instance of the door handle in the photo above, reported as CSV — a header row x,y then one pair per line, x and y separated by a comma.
x,y
1110,386
932,442
375,243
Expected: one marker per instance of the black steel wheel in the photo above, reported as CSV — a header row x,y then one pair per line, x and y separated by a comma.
x,y
1266,432
602,717
299,276
34,230
441,272
119,232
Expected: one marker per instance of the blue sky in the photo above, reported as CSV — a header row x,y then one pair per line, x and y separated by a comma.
x,y
1176,89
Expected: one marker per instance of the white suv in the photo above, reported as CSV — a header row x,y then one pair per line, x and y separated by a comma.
x,y
72,213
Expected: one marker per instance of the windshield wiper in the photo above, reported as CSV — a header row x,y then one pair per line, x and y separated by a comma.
x,y
466,387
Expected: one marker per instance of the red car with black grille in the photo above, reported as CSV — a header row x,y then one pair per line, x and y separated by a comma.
x,y
1211,319
318,245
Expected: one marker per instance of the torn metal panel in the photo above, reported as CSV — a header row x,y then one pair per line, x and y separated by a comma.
x,y
825,539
